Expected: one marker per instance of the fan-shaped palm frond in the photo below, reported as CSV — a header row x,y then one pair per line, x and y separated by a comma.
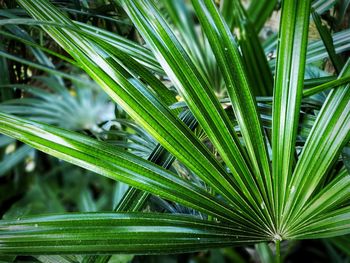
x,y
258,185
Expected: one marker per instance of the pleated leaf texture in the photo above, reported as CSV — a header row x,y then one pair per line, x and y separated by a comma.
x,y
263,188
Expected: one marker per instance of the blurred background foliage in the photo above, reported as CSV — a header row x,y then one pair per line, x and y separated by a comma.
x,y
39,81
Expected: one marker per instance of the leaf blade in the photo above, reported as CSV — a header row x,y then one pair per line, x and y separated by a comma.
x,y
136,99
287,94
134,233
329,134
105,159
242,99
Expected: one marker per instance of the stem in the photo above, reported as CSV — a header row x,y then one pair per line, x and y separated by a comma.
x,y
278,251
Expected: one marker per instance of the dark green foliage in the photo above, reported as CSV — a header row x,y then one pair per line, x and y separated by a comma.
x,y
255,154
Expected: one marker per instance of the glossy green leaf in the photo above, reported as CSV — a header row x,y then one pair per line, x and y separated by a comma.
x,y
133,233
330,133
287,94
198,95
217,66
111,162
331,197
137,99
136,51
256,65
192,41
326,86
330,224
243,101
143,55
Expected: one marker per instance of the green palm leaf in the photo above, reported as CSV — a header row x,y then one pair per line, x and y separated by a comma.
x,y
108,161
140,102
328,136
287,94
135,233
197,94
242,99
267,168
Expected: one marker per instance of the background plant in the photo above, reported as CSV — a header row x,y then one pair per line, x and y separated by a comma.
x,y
222,173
